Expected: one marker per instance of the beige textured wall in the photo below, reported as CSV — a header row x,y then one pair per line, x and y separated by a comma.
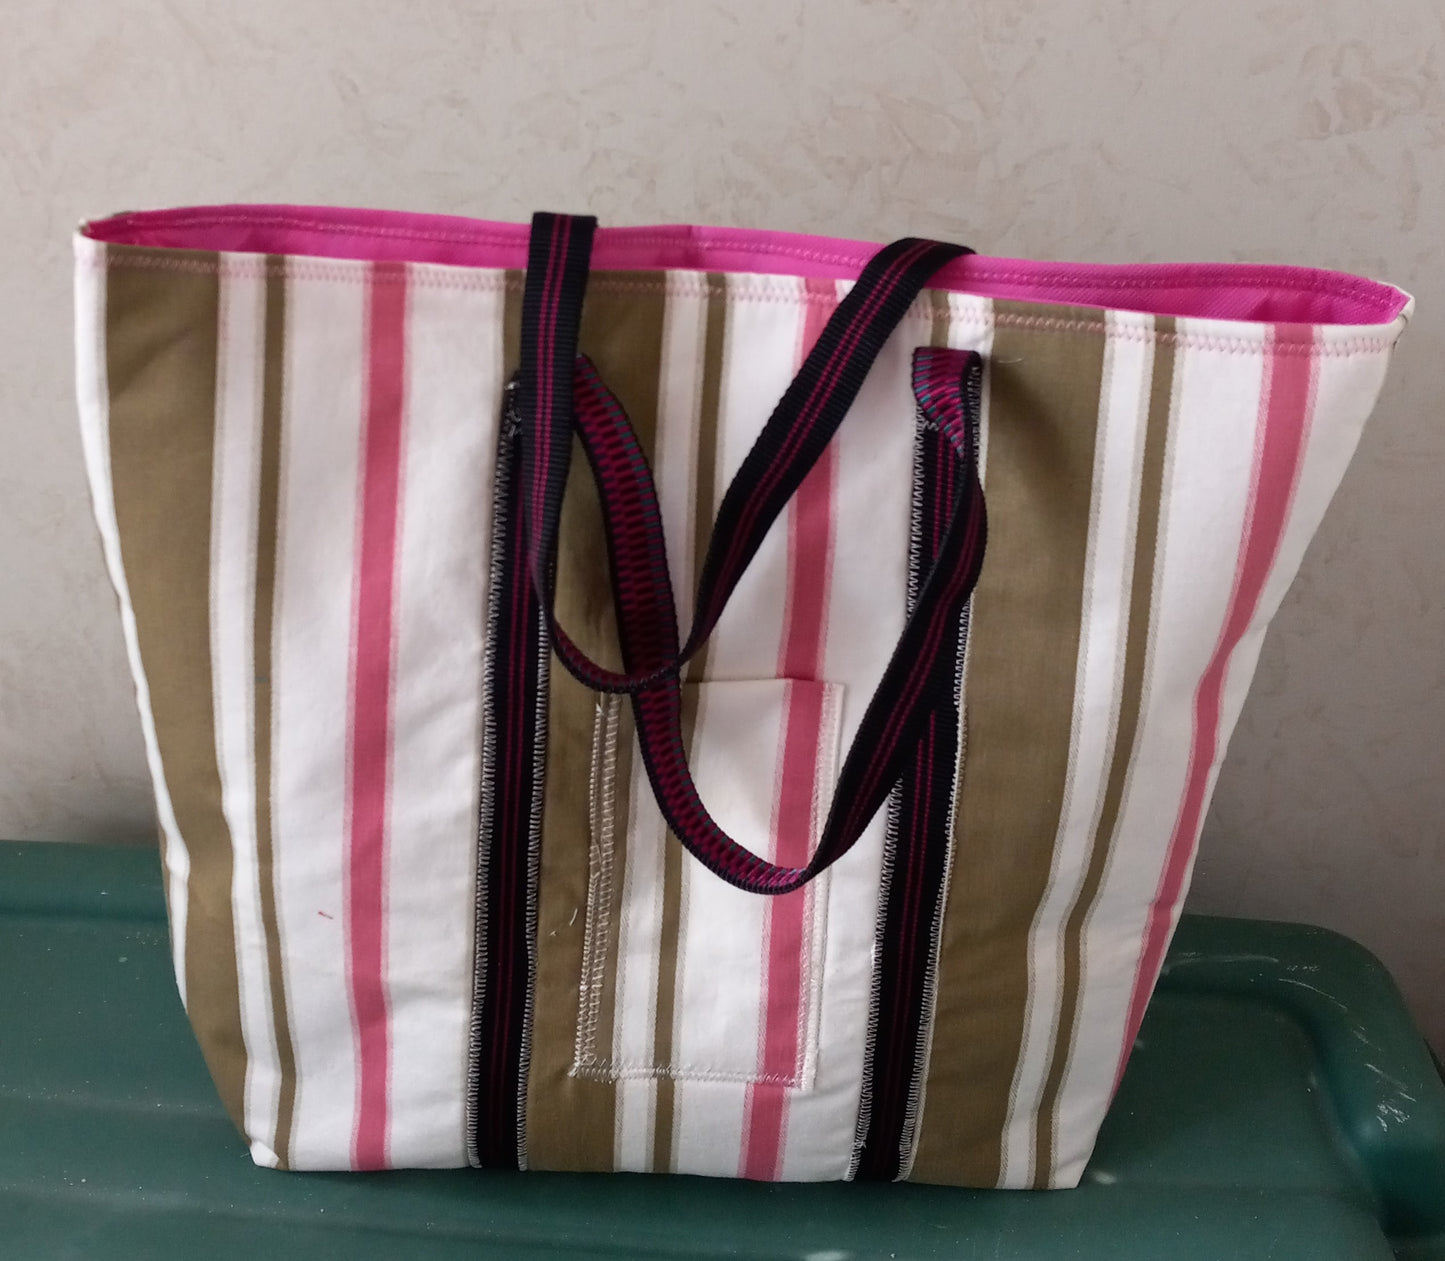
x,y
1306,131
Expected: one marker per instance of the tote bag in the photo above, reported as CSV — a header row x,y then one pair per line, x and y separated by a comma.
x,y
686,700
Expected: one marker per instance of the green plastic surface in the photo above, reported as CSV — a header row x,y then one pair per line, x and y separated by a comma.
x,y
1279,1104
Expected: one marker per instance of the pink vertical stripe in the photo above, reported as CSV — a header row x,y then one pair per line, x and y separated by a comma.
x,y
810,559
1285,406
373,647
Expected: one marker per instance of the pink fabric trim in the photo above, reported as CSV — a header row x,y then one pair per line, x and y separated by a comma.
x,y
1285,413
1235,291
371,717
810,557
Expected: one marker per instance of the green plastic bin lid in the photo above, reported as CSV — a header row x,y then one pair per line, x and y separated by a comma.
x,y
1279,1104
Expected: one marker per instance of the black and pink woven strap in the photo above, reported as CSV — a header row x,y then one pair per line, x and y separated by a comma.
x,y
560,394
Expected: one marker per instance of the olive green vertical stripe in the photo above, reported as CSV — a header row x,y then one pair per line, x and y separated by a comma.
x,y
1044,388
704,499
162,334
1136,646
512,324
940,318
605,974
571,1119
273,382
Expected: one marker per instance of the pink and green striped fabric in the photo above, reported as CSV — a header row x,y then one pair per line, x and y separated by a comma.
x,y
293,425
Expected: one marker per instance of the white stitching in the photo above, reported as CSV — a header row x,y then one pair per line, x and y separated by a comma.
x,y
602,802
611,1070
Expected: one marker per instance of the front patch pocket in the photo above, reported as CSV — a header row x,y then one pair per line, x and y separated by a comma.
x,y
684,976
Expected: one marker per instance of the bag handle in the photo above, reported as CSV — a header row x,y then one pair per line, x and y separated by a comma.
x,y
801,425
918,679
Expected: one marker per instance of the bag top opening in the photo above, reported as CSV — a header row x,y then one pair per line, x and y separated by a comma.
x,y
1218,291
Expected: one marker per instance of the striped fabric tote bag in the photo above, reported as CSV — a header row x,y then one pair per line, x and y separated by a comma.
x,y
686,700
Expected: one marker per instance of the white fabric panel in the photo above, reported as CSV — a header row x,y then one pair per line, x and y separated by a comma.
x,y
674,455
1345,385
639,946
636,1112
721,956
316,545
1211,450
711,1127
1343,391
764,322
454,380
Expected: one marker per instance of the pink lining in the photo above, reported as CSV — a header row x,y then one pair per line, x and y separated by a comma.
x,y
1229,291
